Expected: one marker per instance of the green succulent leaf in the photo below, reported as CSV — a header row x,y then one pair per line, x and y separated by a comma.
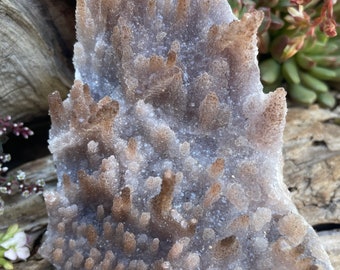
x,y
323,73
326,100
302,94
270,71
313,83
290,71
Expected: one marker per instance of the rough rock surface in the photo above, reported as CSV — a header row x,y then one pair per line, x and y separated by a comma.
x,y
176,162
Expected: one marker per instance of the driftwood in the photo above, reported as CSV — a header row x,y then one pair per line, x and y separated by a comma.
x,y
312,159
36,38
312,172
29,212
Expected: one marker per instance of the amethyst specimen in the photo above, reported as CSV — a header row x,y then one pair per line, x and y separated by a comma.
x,y
167,151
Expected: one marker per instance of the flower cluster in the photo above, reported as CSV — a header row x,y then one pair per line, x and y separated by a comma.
x,y
13,184
9,185
8,126
13,246
298,47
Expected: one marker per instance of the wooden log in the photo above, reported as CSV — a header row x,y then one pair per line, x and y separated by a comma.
x,y
312,159
36,38
29,212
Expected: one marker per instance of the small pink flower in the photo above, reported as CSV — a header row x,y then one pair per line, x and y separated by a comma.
x,y
16,247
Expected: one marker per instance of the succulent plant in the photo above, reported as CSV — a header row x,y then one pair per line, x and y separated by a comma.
x,y
298,47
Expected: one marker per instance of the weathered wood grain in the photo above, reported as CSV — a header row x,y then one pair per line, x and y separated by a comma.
x,y
312,163
35,54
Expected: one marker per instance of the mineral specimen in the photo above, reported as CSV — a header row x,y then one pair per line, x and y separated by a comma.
x,y
173,159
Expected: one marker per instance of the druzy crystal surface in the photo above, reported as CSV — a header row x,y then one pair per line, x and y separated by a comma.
x,y
168,153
